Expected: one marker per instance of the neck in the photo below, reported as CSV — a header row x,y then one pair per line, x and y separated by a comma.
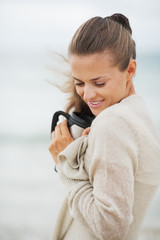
x,y
130,90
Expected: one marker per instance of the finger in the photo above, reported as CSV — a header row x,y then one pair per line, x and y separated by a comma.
x,y
53,135
86,131
58,130
64,128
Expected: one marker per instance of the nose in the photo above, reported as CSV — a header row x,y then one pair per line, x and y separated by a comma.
x,y
89,93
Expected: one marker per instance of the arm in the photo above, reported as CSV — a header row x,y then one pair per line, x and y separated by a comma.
x,y
103,201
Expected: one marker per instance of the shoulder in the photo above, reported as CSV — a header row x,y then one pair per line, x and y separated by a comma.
x,y
113,137
119,121
126,113
114,116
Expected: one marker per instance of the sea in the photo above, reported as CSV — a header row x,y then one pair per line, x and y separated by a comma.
x,y
30,190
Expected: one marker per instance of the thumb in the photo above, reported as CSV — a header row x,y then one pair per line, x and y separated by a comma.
x,y
86,131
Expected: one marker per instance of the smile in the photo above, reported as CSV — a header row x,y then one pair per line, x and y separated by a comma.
x,y
95,104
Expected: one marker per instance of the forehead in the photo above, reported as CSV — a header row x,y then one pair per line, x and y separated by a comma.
x,y
93,64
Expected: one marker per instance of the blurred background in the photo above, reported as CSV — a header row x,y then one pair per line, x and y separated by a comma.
x,y
30,190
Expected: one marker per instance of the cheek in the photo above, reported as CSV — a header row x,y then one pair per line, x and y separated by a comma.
x,y
115,87
79,91
108,90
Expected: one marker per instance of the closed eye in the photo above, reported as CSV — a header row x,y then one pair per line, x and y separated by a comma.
x,y
100,84
96,84
79,83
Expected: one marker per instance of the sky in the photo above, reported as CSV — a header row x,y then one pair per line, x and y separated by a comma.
x,y
49,24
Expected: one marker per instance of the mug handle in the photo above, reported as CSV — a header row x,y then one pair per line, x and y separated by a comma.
x,y
56,118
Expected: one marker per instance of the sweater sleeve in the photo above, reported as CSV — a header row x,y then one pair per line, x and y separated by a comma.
x,y
102,199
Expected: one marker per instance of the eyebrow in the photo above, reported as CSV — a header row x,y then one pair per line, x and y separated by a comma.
x,y
93,79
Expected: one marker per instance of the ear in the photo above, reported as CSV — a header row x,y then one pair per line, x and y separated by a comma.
x,y
131,70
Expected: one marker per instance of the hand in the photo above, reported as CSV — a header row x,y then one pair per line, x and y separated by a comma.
x,y
86,131
61,138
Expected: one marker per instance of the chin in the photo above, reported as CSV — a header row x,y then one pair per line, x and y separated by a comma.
x,y
96,112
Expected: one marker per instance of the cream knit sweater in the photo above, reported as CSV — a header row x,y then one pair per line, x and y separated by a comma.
x,y
110,175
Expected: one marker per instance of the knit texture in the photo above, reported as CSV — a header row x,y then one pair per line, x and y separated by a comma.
x,y
110,175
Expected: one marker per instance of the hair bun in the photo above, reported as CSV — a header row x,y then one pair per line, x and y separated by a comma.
x,y
120,18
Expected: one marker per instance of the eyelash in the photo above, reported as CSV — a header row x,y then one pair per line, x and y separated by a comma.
x,y
96,84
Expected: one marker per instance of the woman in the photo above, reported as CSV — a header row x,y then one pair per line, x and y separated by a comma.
x,y
112,171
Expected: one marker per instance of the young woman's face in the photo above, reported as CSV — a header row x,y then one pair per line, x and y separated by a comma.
x,y
98,82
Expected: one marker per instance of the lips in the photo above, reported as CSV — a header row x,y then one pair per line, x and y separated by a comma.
x,y
95,104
